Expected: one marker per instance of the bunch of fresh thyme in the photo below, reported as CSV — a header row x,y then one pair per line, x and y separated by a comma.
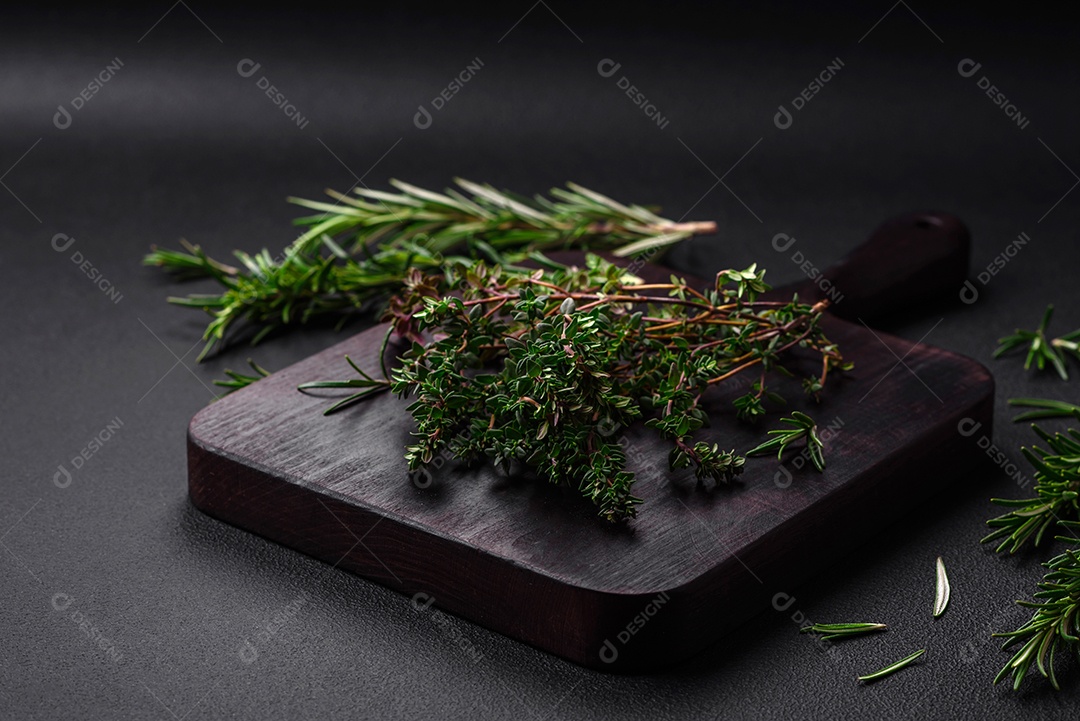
x,y
360,249
530,368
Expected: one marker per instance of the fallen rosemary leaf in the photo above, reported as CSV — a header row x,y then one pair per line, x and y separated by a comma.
x,y
941,594
834,631
1044,408
893,668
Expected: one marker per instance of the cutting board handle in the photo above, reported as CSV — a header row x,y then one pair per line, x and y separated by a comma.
x,y
907,262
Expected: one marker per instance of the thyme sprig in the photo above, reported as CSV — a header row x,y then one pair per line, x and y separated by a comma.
x,y
535,370
1053,624
1040,349
1057,488
358,250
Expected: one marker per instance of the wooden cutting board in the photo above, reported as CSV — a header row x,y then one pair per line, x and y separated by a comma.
x,y
533,561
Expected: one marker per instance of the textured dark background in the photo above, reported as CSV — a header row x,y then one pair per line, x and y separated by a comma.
x,y
178,144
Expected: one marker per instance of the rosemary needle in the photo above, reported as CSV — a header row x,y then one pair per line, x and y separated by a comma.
x,y
1044,408
834,631
941,596
893,668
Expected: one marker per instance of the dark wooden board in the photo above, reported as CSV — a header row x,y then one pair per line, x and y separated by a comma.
x,y
532,561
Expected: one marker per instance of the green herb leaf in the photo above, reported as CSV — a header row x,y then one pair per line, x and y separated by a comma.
x,y
892,668
836,631
1045,408
942,589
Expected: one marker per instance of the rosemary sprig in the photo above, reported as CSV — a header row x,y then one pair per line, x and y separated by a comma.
x,y
1057,487
804,427
528,370
370,386
835,631
892,668
1040,349
1053,623
359,249
942,589
238,380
